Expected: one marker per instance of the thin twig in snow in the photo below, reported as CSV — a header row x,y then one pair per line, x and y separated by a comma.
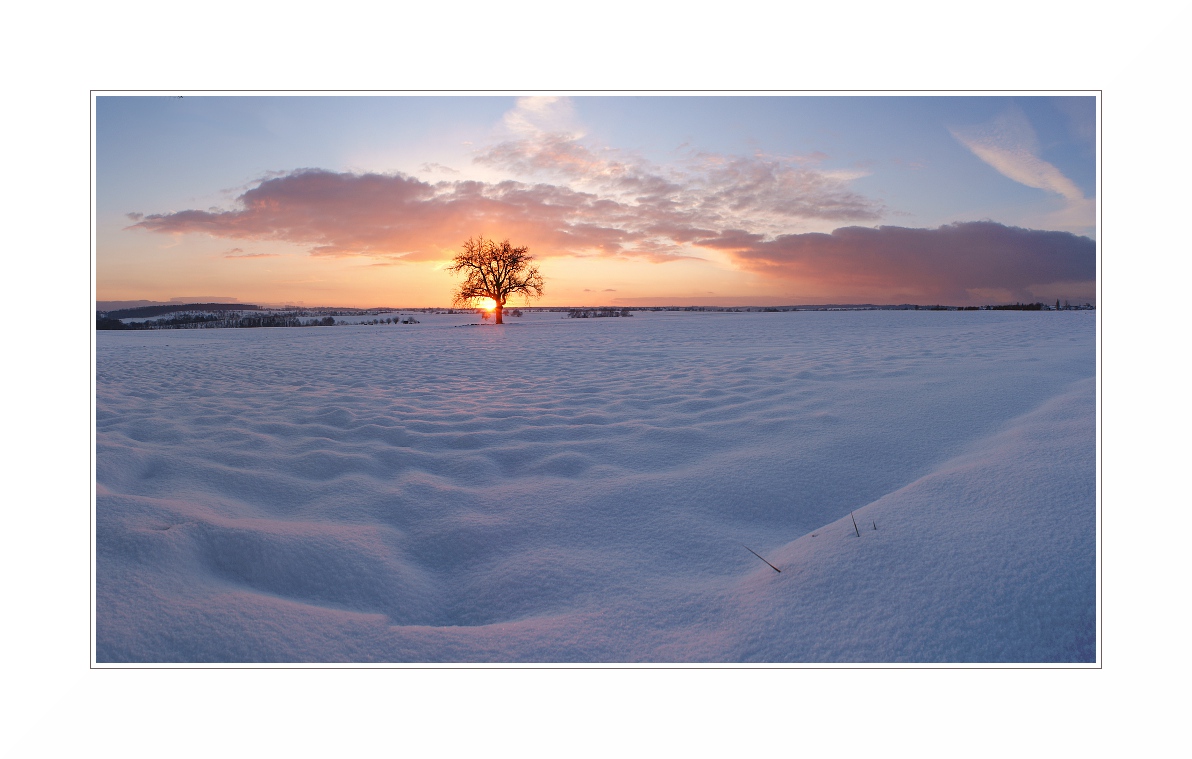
x,y
855,524
755,553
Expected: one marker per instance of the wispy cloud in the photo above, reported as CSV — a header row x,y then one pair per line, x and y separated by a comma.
x,y
432,168
239,253
535,116
1009,145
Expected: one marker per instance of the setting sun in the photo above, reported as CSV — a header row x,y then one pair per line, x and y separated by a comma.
x,y
488,304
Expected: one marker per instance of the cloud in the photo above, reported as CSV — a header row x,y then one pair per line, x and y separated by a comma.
x,y
558,154
334,213
1009,145
767,187
957,264
707,188
431,168
339,214
239,253
535,116
568,198
342,214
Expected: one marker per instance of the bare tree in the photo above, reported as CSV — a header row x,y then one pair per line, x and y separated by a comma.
x,y
495,270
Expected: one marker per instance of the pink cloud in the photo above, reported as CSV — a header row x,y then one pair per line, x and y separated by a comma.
x,y
958,264
339,214
239,253
574,200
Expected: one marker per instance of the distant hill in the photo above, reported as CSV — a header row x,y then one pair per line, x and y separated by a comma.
x,y
102,306
172,308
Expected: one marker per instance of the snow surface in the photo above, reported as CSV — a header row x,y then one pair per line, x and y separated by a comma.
x,y
583,490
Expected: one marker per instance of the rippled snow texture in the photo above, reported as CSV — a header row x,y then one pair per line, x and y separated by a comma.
x,y
580,490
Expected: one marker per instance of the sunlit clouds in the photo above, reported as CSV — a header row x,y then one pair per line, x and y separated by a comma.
x,y
561,195
702,189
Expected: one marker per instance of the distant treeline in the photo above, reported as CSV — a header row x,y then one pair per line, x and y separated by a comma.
x,y
1040,307
214,321
230,315
595,313
605,311
913,307
1019,307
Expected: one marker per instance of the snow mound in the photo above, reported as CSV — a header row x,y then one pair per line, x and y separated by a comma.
x,y
990,558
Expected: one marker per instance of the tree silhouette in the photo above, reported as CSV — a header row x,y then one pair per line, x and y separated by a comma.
x,y
495,270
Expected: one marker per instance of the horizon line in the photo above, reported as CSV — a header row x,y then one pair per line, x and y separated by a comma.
x,y
297,306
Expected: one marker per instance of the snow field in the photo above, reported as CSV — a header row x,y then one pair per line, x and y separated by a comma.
x,y
579,490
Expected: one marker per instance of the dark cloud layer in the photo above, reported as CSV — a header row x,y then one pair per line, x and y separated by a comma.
x,y
957,263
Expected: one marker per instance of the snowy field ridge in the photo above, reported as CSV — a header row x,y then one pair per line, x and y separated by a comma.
x,y
584,490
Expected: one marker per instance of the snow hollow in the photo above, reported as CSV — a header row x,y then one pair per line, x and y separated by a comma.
x,y
590,490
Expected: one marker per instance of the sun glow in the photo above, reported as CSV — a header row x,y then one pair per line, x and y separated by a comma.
x,y
488,304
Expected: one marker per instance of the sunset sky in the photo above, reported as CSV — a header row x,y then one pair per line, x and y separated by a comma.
x,y
651,200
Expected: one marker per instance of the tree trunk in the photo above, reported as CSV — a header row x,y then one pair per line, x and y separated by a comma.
x,y
497,312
